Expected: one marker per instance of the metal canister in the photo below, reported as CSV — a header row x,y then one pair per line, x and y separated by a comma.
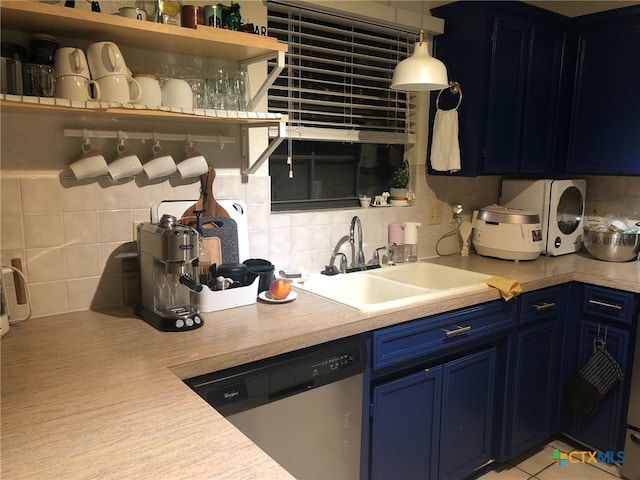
x,y
213,16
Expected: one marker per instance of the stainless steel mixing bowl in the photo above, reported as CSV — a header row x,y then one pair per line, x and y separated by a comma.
x,y
612,246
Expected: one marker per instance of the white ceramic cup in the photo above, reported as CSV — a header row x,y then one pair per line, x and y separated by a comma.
x,y
365,202
71,61
116,88
176,93
194,165
151,93
104,59
126,164
161,165
75,87
133,12
91,164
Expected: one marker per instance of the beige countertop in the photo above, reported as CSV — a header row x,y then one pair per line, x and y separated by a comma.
x,y
98,394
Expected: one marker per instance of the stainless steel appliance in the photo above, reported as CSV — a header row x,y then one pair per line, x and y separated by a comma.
x,y
304,409
631,464
167,252
560,204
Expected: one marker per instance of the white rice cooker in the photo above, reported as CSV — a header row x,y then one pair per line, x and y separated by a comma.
x,y
507,233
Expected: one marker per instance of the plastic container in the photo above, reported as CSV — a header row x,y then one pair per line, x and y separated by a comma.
x,y
215,300
411,241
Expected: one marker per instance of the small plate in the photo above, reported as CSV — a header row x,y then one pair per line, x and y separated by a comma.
x,y
266,297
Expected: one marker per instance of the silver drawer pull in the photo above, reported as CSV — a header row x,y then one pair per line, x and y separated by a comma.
x,y
457,331
544,306
604,304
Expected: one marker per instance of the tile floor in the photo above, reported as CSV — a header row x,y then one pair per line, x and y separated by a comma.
x,y
539,466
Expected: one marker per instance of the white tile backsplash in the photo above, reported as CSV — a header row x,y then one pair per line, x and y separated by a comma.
x,y
40,195
76,240
43,230
80,228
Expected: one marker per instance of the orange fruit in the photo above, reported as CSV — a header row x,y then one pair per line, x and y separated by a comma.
x,y
279,289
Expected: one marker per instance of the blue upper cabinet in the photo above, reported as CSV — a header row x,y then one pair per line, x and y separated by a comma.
x,y
605,118
508,59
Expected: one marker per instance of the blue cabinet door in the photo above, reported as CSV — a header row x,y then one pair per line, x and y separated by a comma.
x,y
604,430
468,389
543,132
605,122
405,427
505,96
508,59
534,387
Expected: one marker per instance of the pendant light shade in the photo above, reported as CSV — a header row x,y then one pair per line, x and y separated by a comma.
x,y
420,72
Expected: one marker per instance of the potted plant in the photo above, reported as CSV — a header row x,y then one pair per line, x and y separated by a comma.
x,y
399,188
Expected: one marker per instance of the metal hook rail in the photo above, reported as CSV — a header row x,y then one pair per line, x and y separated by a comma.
x,y
454,89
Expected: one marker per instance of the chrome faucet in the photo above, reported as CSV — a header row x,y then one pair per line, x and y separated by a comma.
x,y
357,256
331,268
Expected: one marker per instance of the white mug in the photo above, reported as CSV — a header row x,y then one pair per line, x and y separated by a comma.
x,y
90,164
75,87
194,165
105,59
133,12
177,93
115,88
127,164
151,92
71,61
161,165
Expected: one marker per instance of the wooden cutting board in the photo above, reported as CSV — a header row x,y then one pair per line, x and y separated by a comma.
x,y
206,204
237,209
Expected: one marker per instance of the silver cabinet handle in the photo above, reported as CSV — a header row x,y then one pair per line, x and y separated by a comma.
x,y
604,304
544,306
457,331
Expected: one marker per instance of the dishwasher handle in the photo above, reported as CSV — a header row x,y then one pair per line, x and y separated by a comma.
x,y
292,390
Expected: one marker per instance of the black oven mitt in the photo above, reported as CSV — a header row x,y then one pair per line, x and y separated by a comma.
x,y
589,386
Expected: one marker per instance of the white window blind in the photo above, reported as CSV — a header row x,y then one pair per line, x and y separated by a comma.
x,y
335,85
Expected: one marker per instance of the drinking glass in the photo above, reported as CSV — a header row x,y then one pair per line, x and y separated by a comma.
x,y
198,88
218,87
239,95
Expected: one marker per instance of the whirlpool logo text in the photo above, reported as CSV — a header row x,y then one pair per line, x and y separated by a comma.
x,y
586,456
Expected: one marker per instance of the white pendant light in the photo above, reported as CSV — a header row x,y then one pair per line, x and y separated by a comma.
x,y
420,72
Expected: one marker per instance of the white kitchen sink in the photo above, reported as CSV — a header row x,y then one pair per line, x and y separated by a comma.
x,y
393,287
430,275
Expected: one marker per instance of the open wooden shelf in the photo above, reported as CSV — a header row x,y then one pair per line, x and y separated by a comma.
x,y
37,17
56,106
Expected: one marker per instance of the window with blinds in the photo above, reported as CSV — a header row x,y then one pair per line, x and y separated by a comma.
x,y
347,129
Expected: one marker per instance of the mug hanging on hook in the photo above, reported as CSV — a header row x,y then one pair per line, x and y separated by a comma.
x,y
194,164
91,164
161,164
126,164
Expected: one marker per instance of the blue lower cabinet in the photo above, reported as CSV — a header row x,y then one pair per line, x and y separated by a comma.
x,y
611,316
468,389
604,429
534,387
435,423
535,369
405,427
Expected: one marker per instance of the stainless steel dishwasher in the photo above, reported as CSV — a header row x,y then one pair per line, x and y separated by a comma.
x,y
304,408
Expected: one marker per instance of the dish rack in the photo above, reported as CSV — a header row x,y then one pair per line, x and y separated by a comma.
x,y
214,300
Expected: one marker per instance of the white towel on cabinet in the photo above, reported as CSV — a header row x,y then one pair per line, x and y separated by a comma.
x,y
445,149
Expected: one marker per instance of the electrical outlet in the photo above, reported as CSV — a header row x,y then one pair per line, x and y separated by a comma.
x,y
596,210
434,212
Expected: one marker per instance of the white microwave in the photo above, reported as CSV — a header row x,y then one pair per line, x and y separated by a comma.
x,y
560,204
